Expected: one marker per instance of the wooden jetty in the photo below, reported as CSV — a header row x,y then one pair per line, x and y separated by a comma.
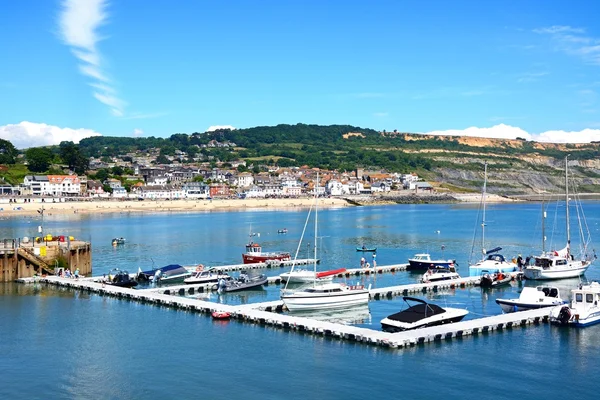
x,y
261,314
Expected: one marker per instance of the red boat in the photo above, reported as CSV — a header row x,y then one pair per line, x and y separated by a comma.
x,y
221,315
324,274
255,255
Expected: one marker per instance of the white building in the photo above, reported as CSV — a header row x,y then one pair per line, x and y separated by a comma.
x,y
337,188
52,185
245,179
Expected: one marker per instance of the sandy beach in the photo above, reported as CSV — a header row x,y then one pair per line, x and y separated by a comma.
x,y
98,206
133,206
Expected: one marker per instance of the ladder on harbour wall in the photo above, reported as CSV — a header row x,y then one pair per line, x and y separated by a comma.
x,y
30,256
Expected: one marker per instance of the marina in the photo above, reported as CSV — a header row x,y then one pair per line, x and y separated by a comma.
x,y
257,313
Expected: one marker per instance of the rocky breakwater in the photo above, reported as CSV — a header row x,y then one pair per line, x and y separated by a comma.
x,y
401,198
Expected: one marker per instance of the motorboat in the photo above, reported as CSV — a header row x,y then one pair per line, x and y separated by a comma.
x,y
117,277
254,254
561,264
206,275
367,249
118,241
326,296
243,282
284,230
532,298
423,261
420,314
168,273
583,310
493,279
308,276
439,274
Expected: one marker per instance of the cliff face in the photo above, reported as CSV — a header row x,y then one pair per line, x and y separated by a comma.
x,y
511,172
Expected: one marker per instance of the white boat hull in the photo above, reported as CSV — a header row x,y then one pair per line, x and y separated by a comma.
x,y
491,266
451,315
509,305
554,272
299,302
303,277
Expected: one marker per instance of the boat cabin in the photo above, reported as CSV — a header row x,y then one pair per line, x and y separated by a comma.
x,y
422,257
546,262
496,257
253,248
586,297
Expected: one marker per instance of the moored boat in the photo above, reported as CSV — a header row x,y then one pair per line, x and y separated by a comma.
x,y
562,263
439,274
117,277
243,282
583,310
220,315
532,298
421,315
254,254
326,296
206,275
308,276
493,279
168,273
423,262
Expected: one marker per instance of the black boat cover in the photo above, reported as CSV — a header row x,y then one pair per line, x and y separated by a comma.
x,y
168,270
417,312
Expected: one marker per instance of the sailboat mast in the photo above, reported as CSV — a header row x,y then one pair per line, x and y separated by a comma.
x,y
316,224
567,205
543,228
483,214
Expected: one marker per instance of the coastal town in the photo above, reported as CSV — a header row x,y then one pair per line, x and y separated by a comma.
x,y
135,176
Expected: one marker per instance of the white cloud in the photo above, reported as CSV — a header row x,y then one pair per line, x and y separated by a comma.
x,y
217,127
79,22
30,134
531,76
554,29
138,132
502,131
381,114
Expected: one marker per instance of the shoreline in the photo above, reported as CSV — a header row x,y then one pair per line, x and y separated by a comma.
x,y
200,205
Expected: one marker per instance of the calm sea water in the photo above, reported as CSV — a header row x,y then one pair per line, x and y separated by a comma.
x,y
59,343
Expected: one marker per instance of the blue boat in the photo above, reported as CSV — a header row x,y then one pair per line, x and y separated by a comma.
x,y
168,273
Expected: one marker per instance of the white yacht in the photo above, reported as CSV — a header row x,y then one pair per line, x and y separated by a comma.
x,y
532,298
583,310
492,260
562,263
439,274
327,296
206,275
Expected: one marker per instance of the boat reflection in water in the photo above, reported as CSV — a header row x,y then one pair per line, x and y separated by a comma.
x,y
348,316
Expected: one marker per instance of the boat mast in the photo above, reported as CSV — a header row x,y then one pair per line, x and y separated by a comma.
x,y
543,227
316,224
567,205
483,215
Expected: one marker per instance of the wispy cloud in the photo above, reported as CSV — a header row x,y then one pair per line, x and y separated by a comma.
x,y
381,114
574,41
449,92
138,132
79,22
531,76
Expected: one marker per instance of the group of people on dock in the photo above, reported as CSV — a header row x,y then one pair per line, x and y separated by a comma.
x,y
66,273
365,264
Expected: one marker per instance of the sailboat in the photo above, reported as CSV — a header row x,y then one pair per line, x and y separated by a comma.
x,y
493,261
561,264
325,296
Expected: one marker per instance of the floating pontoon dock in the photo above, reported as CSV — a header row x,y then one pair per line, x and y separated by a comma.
x,y
254,313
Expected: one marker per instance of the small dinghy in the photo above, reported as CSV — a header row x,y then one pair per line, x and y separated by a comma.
x,y
490,280
220,315
421,315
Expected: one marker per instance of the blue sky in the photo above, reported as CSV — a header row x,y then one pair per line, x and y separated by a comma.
x,y
154,68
